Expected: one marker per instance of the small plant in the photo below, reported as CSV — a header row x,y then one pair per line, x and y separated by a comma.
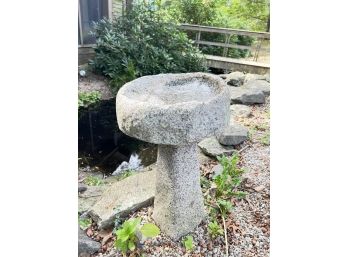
x,y
214,229
230,177
87,98
93,181
126,235
85,223
188,243
265,140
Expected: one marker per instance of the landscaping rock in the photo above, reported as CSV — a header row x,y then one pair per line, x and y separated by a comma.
x,y
86,244
124,197
243,95
263,85
235,79
250,77
212,147
267,77
217,170
233,135
89,197
240,110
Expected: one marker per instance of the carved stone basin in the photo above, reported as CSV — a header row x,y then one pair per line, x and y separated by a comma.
x,y
175,111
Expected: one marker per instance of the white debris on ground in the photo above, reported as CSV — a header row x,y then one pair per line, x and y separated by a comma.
x,y
134,164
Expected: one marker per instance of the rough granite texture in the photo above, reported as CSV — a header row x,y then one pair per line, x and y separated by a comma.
x,y
173,109
233,135
178,205
124,197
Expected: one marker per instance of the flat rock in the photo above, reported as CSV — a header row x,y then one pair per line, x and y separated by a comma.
x,y
86,244
124,197
233,135
89,197
263,85
243,95
210,146
251,76
235,79
240,110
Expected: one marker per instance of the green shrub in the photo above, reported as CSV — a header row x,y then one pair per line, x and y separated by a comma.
x,y
87,98
142,43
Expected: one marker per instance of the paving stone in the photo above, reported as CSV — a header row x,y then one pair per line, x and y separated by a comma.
x,y
124,197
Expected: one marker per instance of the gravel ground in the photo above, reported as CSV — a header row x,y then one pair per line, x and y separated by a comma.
x,y
248,224
93,82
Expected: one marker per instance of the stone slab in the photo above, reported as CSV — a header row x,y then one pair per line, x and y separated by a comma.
x,y
210,146
240,110
251,76
262,85
234,134
242,95
124,197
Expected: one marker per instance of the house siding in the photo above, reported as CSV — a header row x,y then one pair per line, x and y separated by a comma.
x,y
117,6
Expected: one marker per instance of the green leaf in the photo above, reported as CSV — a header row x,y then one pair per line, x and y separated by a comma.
x,y
131,245
85,223
150,230
188,243
123,246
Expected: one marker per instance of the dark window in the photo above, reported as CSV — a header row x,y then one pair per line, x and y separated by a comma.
x,y
90,11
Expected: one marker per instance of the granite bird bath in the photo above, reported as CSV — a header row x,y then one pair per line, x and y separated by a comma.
x,y
175,111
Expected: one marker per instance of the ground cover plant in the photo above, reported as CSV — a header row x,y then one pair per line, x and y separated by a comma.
x,y
140,43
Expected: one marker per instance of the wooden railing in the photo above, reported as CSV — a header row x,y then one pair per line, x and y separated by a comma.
x,y
255,48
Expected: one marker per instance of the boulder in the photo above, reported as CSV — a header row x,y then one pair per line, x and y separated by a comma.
x,y
210,146
262,85
250,77
243,95
235,79
86,244
233,135
124,197
240,110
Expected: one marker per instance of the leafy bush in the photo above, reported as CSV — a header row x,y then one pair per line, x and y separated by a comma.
x,y
142,43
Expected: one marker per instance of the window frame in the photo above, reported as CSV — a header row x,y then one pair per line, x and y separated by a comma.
x,y
80,35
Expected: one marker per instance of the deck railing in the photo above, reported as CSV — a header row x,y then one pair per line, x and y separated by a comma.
x,y
261,42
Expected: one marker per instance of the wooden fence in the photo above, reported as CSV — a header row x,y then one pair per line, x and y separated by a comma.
x,y
258,46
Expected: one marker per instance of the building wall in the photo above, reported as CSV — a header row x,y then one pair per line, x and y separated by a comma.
x,y
117,6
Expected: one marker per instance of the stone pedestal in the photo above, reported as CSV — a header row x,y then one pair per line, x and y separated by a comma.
x,y
178,203
175,111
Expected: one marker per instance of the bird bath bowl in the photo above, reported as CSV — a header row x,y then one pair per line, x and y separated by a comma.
x,y
175,111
